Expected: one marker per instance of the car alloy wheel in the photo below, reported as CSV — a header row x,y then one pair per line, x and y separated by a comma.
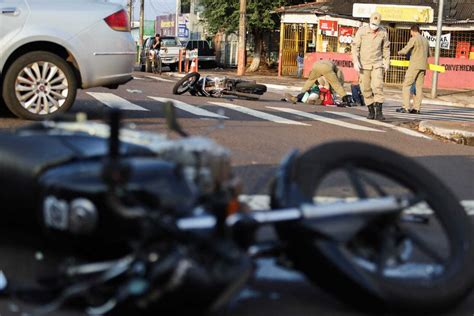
x,y
39,85
41,88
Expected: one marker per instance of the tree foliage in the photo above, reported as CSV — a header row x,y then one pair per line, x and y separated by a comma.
x,y
223,15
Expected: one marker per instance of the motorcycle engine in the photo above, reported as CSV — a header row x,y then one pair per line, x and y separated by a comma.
x,y
205,163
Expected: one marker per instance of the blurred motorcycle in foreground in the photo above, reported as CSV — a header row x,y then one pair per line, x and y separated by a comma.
x,y
121,221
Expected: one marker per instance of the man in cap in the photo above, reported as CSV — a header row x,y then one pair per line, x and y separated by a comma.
x,y
371,56
418,47
333,76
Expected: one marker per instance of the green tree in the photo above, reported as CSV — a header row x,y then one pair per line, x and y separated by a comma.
x,y
223,16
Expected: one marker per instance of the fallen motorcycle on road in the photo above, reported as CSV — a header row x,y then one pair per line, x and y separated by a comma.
x,y
121,221
217,87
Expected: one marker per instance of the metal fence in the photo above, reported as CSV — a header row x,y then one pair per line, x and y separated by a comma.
x,y
297,38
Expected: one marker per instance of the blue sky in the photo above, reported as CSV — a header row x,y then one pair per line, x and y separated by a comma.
x,y
152,7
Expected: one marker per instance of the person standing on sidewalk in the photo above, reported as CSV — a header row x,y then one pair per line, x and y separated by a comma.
x,y
371,56
300,64
418,48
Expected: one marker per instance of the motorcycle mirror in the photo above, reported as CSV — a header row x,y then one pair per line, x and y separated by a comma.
x,y
172,121
3,282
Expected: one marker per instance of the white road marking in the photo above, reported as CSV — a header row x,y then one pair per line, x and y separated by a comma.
x,y
160,79
262,202
375,122
190,108
325,119
116,102
259,114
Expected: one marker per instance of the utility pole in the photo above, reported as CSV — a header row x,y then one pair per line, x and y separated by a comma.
x,y
142,21
434,83
130,12
242,38
178,12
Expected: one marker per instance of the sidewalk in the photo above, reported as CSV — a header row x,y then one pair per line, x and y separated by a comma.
x,y
459,132
459,98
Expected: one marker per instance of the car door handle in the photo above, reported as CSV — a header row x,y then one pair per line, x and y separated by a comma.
x,y
10,11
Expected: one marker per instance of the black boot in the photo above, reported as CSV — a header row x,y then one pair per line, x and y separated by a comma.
x,y
378,112
347,100
371,109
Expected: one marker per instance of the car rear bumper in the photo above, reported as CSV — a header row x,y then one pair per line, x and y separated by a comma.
x,y
169,60
207,58
110,68
107,59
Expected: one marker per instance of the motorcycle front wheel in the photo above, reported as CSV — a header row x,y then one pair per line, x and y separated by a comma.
x,y
418,260
186,83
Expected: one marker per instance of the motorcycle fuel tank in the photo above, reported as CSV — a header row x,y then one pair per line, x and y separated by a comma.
x,y
74,197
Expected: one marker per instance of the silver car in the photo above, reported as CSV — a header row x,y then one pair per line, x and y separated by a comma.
x,y
50,48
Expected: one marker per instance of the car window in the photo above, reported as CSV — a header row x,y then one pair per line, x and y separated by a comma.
x,y
204,45
165,42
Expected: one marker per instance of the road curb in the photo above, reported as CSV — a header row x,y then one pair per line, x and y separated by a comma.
x,y
456,131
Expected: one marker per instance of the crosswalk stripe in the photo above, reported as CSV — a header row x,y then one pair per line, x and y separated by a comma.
x,y
114,101
262,202
160,79
433,112
325,119
190,108
259,114
375,122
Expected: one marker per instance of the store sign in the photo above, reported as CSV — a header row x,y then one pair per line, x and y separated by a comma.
x,y
445,42
183,26
346,34
167,24
327,25
395,13
149,28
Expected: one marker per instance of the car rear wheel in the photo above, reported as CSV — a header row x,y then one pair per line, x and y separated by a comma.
x,y
39,85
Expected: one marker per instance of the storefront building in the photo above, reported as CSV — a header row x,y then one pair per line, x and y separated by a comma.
x,y
325,29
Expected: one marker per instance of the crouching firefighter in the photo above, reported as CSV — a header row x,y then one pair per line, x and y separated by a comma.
x,y
333,76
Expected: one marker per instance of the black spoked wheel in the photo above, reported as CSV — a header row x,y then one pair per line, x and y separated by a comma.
x,y
418,259
186,83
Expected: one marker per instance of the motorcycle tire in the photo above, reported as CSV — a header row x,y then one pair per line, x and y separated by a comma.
x,y
251,88
183,85
327,264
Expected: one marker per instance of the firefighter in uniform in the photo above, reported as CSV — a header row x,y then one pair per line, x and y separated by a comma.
x,y
418,48
333,76
371,56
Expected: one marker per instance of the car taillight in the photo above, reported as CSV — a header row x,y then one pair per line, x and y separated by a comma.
x,y
118,21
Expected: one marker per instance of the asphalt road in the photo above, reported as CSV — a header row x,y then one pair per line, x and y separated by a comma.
x,y
258,141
